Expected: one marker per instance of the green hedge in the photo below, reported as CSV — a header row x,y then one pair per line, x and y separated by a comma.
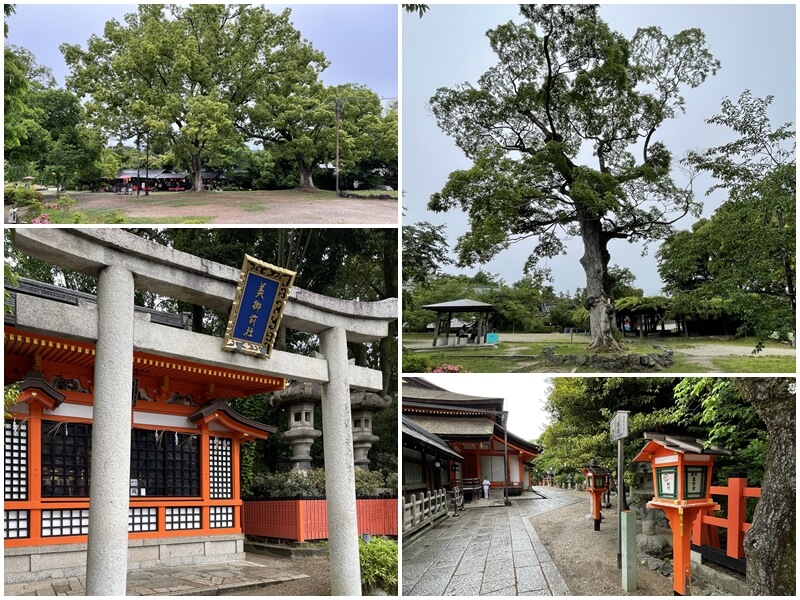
x,y
290,484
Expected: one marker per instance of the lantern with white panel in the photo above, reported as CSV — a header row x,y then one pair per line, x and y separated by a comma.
x,y
682,489
597,479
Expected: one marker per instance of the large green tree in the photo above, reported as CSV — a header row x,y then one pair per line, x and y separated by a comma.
x,y
714,409
187,72
565,81
746,251
15,86
298,121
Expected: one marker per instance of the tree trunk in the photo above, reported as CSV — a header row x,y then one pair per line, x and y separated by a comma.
x,y
197,173
388,345
306,181
599,302
769,544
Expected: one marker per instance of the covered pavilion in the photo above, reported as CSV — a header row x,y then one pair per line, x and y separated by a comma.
x,y
444,315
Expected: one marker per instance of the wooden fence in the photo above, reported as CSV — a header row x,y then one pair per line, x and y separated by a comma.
x,y
705,532
422,510
301,520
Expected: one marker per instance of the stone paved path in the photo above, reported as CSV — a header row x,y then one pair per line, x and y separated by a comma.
x,y
491,551
210,579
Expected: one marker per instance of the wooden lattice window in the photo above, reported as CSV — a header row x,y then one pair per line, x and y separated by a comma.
x,y
221,476
15,460
66,459
164,463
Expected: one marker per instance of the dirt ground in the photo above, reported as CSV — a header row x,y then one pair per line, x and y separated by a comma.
x,y
318,582
587,559
262,207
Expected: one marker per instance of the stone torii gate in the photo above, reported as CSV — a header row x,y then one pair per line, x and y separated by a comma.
x,y
123,262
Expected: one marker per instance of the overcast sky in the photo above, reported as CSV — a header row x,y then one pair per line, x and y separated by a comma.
x,y
524,394
360,41
448,46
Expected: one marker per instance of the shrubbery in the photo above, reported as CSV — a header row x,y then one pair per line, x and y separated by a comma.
x,y
416,363
21,197
289,484
420,363
378,565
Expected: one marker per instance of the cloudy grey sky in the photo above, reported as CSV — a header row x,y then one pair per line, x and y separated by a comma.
x,y
360,41
755,44
524,394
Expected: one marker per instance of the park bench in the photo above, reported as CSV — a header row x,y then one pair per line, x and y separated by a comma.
x,y
177,189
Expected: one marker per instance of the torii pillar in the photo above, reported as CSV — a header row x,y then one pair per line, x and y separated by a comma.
x,y
111,432
340,478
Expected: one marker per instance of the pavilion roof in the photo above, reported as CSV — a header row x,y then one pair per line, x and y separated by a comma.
x,y
423,391
465,305
143,173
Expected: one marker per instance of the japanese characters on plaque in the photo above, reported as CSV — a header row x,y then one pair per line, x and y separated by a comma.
x,y
258,305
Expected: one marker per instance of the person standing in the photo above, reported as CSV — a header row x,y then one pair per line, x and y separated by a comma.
x,y
486,484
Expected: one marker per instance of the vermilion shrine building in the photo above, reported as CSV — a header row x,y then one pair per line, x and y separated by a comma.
x,y
184,441
474,427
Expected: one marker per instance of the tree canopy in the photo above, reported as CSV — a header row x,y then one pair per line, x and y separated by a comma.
x,y
564,81
581,410
188,73
745,253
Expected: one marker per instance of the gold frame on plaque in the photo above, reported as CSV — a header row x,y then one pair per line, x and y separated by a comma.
x,y
253,271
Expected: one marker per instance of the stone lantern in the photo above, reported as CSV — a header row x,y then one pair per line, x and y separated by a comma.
x,y
299,399
363,405
648,542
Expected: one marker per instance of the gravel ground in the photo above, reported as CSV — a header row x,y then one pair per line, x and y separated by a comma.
x,y
318,582
587,559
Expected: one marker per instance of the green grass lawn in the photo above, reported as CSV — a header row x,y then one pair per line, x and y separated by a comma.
x,y
756,364
92,216
509,357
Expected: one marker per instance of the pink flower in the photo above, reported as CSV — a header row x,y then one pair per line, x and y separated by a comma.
x,y
448,369
43,219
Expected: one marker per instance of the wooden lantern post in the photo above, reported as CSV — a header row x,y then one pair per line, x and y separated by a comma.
x,y
682,489
598,478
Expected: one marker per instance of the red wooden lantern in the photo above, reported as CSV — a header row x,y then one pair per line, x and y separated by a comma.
x,y
682,489
598,482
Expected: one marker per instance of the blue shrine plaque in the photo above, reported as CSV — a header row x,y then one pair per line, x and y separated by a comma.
x,y
258,305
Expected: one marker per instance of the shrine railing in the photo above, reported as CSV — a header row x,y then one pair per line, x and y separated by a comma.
x,y
705,533
302,520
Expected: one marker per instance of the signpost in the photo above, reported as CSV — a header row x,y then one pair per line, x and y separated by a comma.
x,y
258,305
619,431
